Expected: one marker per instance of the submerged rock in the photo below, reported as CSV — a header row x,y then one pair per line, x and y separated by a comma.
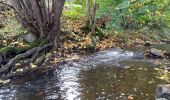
x,y
163,92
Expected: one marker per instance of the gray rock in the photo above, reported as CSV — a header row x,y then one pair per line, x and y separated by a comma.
x,y
163,92
156,52
29,37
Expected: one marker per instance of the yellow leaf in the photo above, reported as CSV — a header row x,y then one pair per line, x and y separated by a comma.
x,y
130,97
19,70
32,65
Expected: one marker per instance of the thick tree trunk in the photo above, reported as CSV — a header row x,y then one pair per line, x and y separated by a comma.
x,y
36,15
41,17
55,31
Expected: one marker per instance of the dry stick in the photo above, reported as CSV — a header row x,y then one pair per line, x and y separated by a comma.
x,y
8,66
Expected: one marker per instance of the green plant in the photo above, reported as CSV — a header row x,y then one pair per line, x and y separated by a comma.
x,y
133,14
73,11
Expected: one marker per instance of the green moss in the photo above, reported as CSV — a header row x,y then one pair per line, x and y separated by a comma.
x,y
15,50
73,11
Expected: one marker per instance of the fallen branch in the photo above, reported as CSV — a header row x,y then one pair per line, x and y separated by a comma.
x,y
8,66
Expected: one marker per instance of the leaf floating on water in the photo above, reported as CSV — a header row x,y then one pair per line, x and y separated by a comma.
x,y
140,68
103,93
126,67
135,89
4,81
150,82
145,69
122,94
163,77
130,97
33,66
115,76
18,64
156,69
19,70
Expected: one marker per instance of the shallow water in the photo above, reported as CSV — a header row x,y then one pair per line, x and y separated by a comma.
x,y
107,75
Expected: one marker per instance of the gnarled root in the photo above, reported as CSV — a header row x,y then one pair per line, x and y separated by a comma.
x,y
8,67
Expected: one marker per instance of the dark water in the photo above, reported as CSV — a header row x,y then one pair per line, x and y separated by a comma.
x,y
107,75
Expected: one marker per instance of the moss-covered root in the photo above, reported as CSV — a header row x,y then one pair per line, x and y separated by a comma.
x,y
7,68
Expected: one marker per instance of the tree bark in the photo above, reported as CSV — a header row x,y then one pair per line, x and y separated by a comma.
x,y
43,18
36,15
88,12
11,63
93,20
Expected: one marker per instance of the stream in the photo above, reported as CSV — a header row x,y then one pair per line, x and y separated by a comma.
x,y
112,74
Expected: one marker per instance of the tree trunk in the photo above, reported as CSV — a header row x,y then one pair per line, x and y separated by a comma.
x,y
36,15
88,12
93,20
43,18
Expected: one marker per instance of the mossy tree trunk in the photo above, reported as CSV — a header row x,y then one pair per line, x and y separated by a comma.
x,y
42,17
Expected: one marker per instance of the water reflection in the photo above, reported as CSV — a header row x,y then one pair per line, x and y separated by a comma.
x,y
114,83
112,74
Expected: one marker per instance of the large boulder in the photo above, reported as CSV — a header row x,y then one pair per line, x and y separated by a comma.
x,y
163,92
29,37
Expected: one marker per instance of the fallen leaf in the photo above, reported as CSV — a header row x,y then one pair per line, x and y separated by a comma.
x,y
130,97
33,66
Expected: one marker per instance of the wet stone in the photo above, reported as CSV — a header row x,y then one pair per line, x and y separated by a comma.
x,y
154,53
163,92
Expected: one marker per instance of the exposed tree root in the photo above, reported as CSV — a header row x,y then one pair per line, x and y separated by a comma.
x,y
37,71
7,68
